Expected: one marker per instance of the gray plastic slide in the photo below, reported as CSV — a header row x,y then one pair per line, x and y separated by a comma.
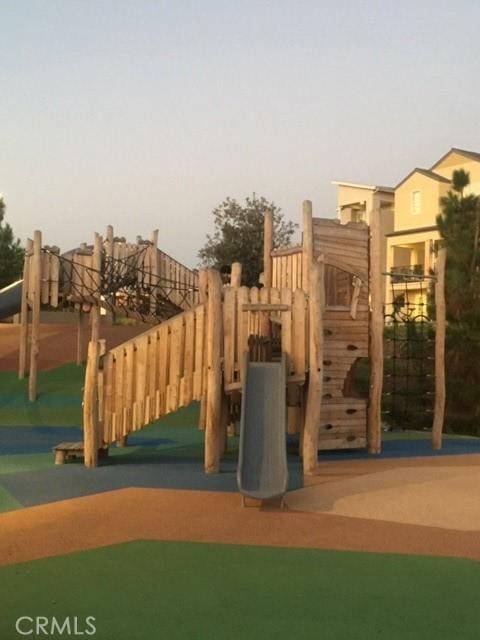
x,y
10,299
262,462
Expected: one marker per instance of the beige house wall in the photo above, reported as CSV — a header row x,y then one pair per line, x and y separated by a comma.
x,y
455,161
431,191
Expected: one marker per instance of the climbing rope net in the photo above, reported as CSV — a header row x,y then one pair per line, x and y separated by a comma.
x,y
409,348
124,285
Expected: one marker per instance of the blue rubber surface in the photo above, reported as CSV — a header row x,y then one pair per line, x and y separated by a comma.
x,y
23,440
73,479
159,460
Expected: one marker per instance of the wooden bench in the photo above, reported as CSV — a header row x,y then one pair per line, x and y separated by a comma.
x,y
73,450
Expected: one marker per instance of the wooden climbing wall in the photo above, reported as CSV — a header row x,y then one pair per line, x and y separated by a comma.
x,y
346,325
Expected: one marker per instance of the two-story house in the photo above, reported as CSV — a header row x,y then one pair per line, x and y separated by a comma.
x,y
410,245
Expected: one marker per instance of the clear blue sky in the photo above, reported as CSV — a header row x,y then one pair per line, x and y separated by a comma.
x,y
148,114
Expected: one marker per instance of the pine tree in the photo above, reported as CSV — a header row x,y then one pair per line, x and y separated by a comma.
x,y
11,254
459,226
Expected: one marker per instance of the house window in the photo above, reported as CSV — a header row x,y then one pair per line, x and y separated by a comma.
x,y
416,202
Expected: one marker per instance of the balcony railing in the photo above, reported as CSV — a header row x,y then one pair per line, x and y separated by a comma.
x,y
411,273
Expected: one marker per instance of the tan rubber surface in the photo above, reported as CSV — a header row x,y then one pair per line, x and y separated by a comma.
x,y
130,514
445,497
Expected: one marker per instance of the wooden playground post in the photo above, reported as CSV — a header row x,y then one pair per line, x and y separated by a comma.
x,y
440,327
202,296
214,373
376,337
90,406
35,275
96,280
315,376
267,248
307,244
236,275
24,313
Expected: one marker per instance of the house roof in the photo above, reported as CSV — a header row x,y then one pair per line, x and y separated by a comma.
x,y
473,155
425,172
370,187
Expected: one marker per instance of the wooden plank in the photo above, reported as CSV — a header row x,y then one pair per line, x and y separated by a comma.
x,y
253,316
140,383
199,351
307,244
45,277
267,248
229,331
242,330
348,442
177,345
264,320
186,387
299,359
287,338
163,368
265,306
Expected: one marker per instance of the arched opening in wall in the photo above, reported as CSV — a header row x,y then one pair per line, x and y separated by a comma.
x,y
338,288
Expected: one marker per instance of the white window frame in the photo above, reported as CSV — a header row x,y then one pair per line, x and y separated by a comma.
x,y
416,202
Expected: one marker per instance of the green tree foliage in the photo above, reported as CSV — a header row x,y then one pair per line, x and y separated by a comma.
x,y
459,225
238,236
459,228
11,254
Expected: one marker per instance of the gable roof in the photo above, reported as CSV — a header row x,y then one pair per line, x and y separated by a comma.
x,y
425,172
473,155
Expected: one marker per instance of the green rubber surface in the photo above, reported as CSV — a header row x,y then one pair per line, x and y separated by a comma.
x,y
147,590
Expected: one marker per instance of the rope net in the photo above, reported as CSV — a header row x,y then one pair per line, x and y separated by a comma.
x,y
409,353
123,286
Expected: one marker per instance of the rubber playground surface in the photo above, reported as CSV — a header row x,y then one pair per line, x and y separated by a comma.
x,y
151,547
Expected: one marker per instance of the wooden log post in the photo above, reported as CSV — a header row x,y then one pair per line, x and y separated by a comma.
x,y
267,248
315,376
90,406
307,244
440,329
213,420
374,423
35,281
24,314
236,275
96,280
202,296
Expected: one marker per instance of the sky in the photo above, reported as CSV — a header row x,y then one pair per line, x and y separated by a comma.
x,y
148,114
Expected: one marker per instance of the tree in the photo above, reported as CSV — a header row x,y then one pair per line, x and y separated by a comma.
x,y
11,254
459,226
238,236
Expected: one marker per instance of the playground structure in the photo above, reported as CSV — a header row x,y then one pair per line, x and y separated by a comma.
x,y
135,279
319,310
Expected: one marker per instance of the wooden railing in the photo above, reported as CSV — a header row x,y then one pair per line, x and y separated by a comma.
x,y
287,268
153,374
272,313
